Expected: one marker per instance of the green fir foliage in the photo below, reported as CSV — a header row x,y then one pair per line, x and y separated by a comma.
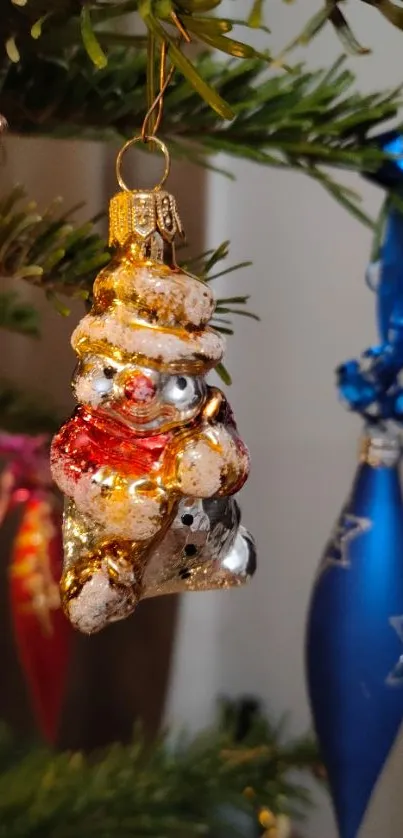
x,y
18,316
171,790
296,119
49,251
26,413
330,12
26,25
68,23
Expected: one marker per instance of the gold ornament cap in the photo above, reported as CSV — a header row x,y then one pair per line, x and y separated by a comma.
x,y
144,216
139,214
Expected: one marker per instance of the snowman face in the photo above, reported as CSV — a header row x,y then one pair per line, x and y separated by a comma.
x,y
142,397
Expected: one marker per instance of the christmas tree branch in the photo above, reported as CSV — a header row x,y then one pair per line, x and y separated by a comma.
x,y
18,316
187,790
49,251
27,27
46,249
329,11
300,119
31,29
68,24
26,413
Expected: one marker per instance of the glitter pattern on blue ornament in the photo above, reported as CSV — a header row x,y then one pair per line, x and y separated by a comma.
x,y
354,644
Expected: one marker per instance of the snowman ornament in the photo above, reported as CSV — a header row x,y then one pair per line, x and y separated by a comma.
x,y
151,459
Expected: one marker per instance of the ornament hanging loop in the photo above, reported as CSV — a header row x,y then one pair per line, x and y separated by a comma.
x,y
151,124
134,141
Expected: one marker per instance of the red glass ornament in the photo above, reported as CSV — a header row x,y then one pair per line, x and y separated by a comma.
x,y
43,634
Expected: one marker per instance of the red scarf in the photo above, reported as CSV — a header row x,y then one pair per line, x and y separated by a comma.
x,y
91,439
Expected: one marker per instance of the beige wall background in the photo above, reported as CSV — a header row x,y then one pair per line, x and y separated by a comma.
x,y
307,283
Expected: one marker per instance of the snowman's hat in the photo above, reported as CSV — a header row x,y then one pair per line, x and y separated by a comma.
x,y
144,310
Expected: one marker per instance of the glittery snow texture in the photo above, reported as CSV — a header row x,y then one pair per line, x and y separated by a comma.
x,y
204,466
120,330
121,511
99,603
176,299
200,470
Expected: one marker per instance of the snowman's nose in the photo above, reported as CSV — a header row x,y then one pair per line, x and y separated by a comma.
x,y
139,388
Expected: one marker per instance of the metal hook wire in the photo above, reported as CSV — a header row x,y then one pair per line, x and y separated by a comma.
x,y
147,129
158,103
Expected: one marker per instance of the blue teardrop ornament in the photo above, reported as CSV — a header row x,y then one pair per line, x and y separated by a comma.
x,y
389,174
390,287
355,634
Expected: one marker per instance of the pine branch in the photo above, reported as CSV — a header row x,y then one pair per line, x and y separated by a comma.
x,y
29,29
46,249
180,791
26,413
299,120
69,23
17,315
329,12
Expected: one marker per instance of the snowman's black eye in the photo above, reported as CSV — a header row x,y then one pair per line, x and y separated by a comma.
x,y
109,372
183,391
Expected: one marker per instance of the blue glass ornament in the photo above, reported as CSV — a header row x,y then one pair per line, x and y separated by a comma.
x,y
355,634
390,287
371,385
390,172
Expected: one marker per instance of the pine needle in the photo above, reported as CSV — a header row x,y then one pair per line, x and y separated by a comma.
x,y
302,120
186,789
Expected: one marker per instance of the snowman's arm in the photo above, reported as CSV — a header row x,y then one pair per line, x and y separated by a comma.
x,y
70,457
134,509
215,461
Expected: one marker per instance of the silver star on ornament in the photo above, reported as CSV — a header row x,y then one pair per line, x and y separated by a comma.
x,y
347,529
395,677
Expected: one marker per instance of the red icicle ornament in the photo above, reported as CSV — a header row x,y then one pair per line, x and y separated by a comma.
x,y
42,634
41,631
